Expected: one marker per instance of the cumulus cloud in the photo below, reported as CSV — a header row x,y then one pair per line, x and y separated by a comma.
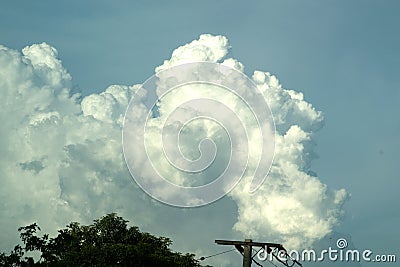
x,y
292,206
62,156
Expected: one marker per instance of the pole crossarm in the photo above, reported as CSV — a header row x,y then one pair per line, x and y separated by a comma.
x,y
250,243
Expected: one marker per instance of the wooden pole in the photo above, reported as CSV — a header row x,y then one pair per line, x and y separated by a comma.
x,y
247,254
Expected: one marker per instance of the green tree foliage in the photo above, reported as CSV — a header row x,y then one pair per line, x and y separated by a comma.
x,y
107,242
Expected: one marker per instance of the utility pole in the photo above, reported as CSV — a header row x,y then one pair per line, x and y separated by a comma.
x,y
247,258
245,248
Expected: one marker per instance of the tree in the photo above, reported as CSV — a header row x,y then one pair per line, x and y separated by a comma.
x,y
107,242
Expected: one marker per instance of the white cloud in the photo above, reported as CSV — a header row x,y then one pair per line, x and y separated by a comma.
x,y
292,206
62,158
207,48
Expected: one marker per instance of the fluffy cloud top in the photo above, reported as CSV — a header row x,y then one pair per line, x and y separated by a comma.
x,y
62,157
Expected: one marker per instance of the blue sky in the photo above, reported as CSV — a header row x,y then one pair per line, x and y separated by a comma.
x,y
343,55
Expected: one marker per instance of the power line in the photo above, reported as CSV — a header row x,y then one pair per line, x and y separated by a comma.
x,y
246,247
203,258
